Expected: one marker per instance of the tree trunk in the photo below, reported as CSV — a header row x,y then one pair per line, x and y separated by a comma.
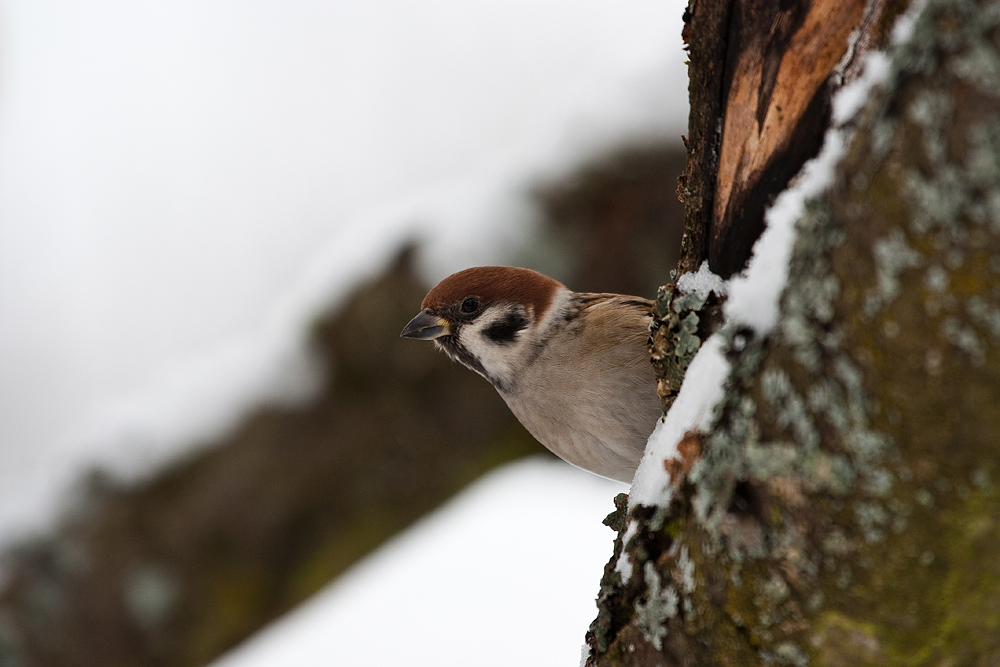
x,y
844,506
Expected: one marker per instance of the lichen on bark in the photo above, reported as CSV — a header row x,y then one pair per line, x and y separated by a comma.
x,y
845,509
680,322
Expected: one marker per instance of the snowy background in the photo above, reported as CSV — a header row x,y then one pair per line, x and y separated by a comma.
x,y
183,184
387,611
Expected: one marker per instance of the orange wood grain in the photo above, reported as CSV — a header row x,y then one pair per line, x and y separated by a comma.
x,y
814,51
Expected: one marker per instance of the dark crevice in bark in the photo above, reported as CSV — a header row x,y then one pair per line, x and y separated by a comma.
x,y
707,25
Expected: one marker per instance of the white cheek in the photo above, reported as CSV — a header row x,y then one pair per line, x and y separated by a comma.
x,y
507,362
501,360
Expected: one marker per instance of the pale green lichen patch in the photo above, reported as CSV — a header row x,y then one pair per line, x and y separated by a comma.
x,y
789,407
686,567
843,642
789,653
652,613
984,314
681,320
893,255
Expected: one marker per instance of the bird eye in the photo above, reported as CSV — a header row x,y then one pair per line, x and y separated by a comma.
x,y
470,305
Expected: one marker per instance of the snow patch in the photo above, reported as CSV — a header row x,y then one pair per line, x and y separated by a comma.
x,y
702,281
623,566
754,294
849,99
692,411
450,591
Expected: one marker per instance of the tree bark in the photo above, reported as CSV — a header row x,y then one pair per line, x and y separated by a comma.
x,y
844,508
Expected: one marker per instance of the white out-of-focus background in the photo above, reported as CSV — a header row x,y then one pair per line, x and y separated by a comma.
x,y
183,184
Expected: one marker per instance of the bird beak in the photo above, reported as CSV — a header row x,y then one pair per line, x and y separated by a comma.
x,y
426,326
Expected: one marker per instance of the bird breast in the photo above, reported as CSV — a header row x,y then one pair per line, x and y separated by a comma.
x,y
590,397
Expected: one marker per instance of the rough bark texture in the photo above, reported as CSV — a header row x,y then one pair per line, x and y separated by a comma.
x,y
705,25
845,507
761,77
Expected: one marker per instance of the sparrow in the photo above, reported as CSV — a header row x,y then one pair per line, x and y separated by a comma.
x,y
573,367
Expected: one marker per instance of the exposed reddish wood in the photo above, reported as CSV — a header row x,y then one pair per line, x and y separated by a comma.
x,y
689,449
762,74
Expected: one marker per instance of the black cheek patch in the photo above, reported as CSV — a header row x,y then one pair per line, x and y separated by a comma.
x,y
505,331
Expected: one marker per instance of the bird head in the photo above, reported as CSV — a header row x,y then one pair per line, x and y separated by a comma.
x,y
489,318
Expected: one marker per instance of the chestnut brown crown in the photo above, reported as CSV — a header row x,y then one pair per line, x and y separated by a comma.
x,y
490,284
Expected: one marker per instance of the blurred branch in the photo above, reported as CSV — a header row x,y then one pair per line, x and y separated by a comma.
x,y
178,569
